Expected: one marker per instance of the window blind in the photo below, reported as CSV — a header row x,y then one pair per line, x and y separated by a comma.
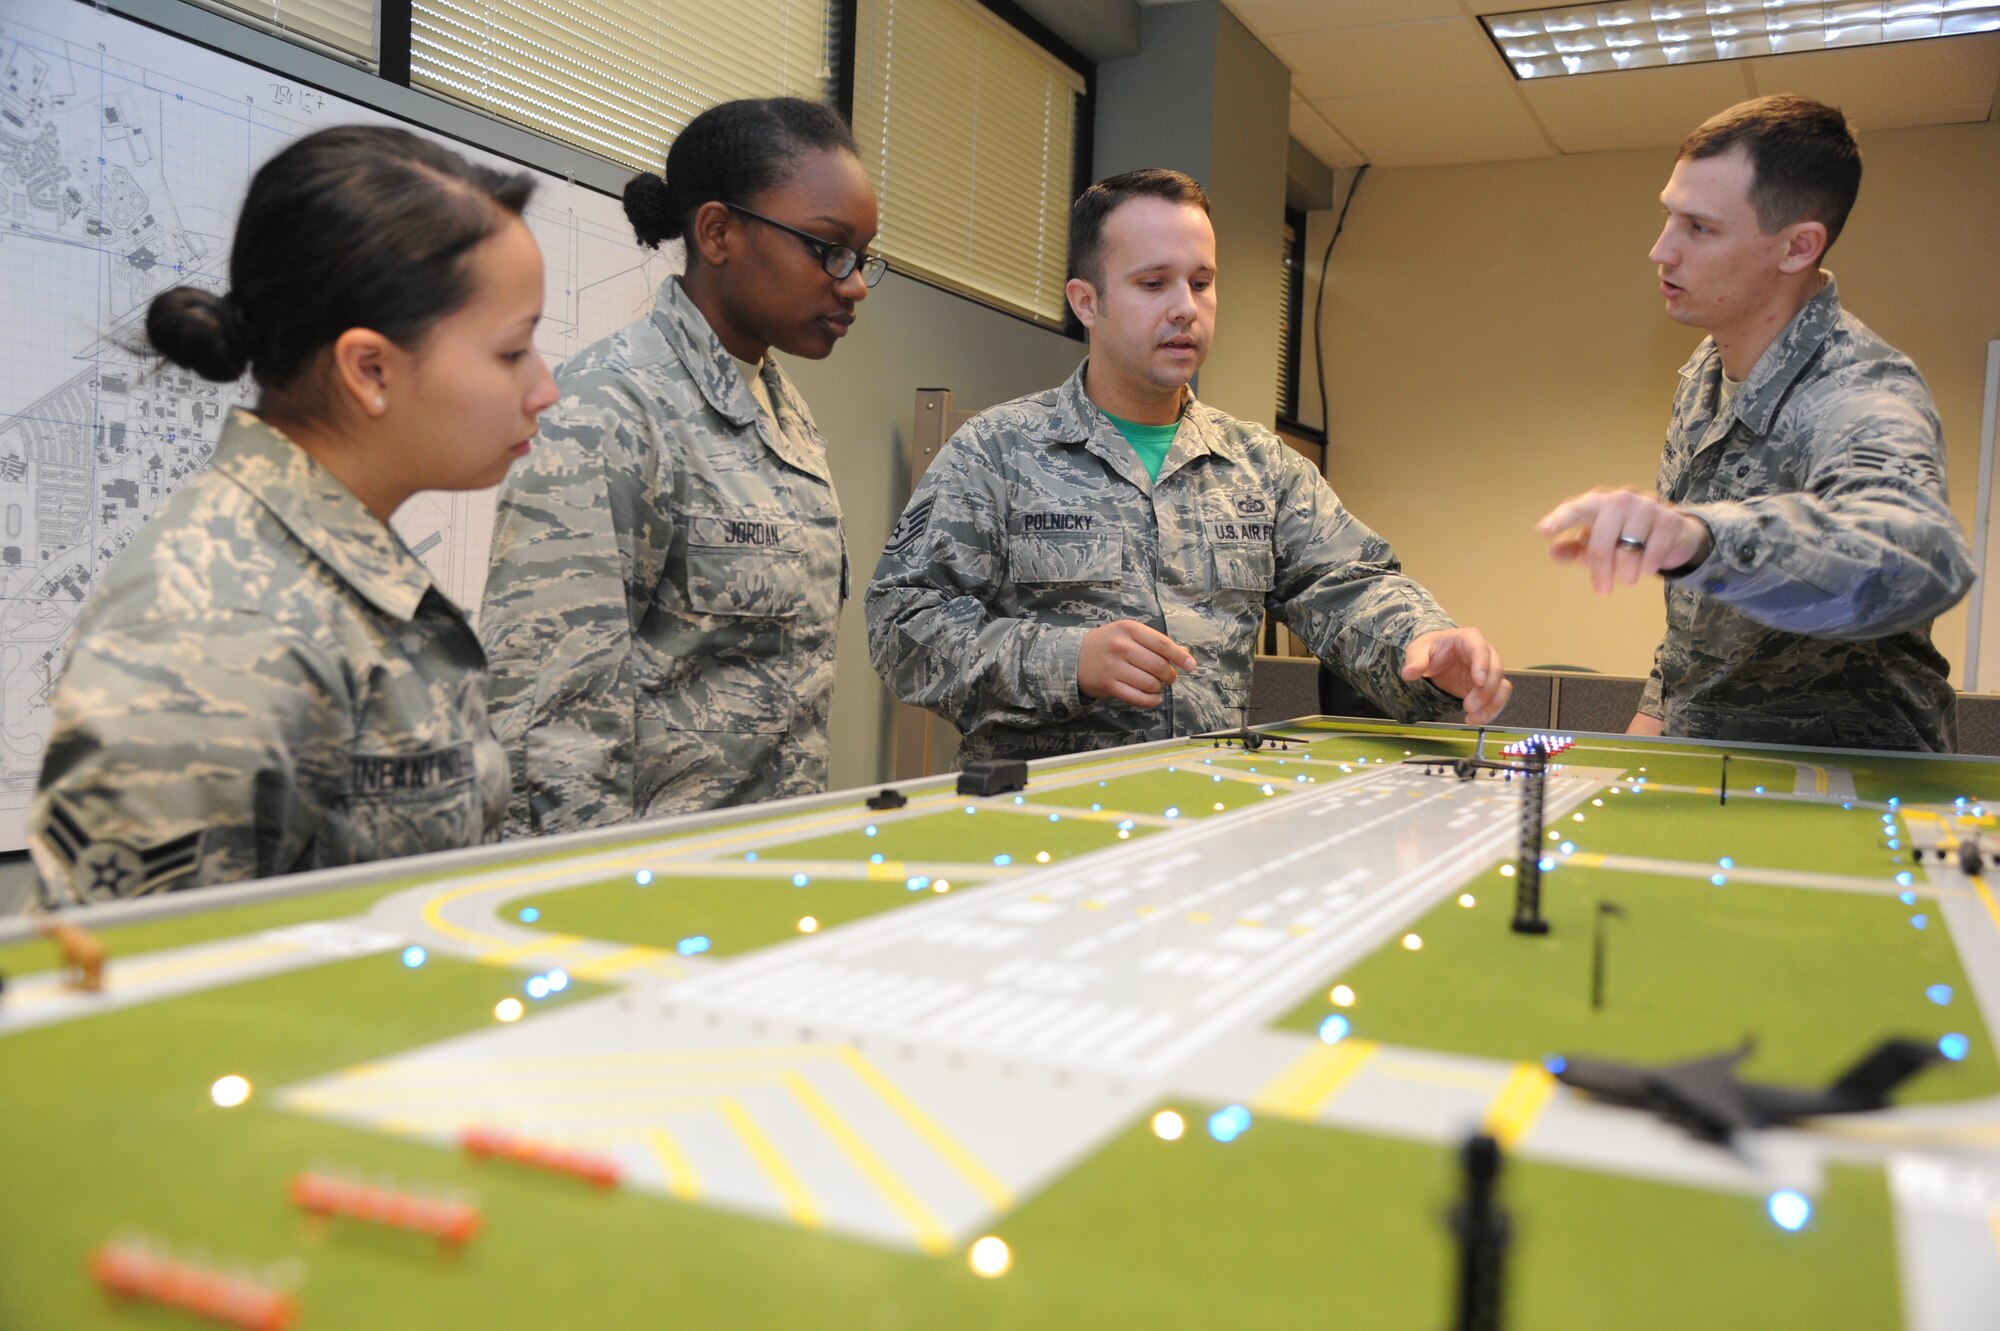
x,y
969,131
344,25
619,78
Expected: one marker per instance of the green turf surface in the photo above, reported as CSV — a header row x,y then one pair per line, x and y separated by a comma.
x,y
1289,1226
1817,977
1752,831
956,837
1191,790
737,915
1294,1225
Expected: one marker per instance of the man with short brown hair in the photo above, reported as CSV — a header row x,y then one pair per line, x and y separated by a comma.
x,y
1089,566
1800,521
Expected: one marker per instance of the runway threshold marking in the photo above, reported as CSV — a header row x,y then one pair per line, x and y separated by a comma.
x,y
930,1235
1521,1101
1306,1085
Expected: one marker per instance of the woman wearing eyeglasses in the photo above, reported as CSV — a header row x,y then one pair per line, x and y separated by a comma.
x,y
669,566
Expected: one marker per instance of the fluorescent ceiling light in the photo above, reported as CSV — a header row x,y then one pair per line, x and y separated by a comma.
x,y
1641,34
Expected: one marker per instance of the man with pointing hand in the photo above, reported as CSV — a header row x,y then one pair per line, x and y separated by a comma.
x,y
1090,566
1801,521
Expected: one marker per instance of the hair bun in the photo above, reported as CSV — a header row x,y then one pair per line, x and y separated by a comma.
x,y
202,331
649,208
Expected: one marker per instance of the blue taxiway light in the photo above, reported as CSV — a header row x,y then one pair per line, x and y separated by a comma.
x,y
643,878
1229,1123
1556,1064
1920,921
750,857
800,880
1003,860
1907,898
1939,994
689,947
414,956
529,915
558,981
1954,1046
1718,880
1726,862
538,986
870,830
1903,879
876,858
1789,1209
1334,1029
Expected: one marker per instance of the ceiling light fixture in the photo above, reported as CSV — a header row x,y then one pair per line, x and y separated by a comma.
x,y
1641,34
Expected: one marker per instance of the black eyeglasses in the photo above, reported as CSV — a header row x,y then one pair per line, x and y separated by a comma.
x,y
838,260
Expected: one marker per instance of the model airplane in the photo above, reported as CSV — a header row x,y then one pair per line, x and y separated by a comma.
x,y
1707,1099
1467,766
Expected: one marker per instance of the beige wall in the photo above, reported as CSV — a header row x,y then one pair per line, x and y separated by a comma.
x,y
1495,343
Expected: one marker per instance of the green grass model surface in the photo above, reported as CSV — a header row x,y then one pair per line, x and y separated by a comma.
x,y
109,1126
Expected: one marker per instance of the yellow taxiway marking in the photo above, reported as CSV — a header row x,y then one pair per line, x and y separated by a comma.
x,y
887,871
1527,1092
631,958
800,1205
931,1236
120,976
1306,1085
545,945
1460,1079
1199,917
675,1167
983,1181
1587,859
1986,898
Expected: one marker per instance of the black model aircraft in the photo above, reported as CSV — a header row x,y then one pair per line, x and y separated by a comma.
x,y
1467,766
1710,1102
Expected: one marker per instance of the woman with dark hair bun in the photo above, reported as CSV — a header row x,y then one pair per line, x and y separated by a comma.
x,y
669,569
267,680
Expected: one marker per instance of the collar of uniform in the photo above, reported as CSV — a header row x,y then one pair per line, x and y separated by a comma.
x,y
1784,360
323,514
1762,393
707,360
1075,419
721,383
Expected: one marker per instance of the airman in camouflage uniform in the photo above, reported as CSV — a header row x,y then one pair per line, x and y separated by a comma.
x,y
1822,485
266,682
1037,523
667,576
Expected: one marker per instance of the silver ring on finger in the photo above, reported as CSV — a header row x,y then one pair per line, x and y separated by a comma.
x,y
1631,543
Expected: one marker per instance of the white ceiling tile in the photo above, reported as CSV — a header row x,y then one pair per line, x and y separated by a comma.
x,y
1970,113
1429,128
1268,17
1645,102
1391,58
1666,140
1322,139
1873,81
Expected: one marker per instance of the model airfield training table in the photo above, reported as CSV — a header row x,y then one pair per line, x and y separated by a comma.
x,y
1181,1035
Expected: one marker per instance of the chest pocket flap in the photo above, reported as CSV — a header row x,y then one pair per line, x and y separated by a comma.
x,y
745,566
1073,557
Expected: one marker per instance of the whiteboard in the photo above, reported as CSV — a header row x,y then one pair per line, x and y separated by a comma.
x,y
124,154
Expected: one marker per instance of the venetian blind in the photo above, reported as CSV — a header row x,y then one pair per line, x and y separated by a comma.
x,y
969,130
344,25
618,77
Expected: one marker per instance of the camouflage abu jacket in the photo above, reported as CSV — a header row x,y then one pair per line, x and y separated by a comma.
x,y
1823,485
667,578
1037,523
265,682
